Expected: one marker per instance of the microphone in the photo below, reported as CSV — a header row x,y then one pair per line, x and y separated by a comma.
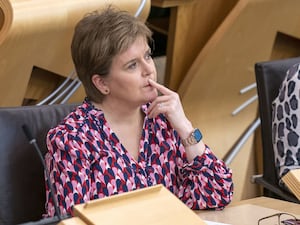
x,y
32,141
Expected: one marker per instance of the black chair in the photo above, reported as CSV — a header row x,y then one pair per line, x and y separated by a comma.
x,y
22,183
269,76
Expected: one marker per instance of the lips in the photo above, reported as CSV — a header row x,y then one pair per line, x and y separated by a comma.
x,y
147,85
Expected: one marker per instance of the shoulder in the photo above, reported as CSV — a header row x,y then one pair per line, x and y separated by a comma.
x,y
82,119
290,83
288,93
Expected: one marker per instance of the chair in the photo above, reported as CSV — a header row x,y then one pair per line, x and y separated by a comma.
x,y
269,76
22,183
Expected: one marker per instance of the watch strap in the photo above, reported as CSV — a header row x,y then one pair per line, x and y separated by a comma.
x,y
194,138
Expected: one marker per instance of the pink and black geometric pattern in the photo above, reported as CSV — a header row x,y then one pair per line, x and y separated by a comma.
x,y
87,161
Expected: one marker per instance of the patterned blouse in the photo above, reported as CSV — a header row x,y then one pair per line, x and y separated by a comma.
x,y
286,125
87,161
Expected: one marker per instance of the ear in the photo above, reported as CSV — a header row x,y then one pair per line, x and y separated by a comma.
x,y
101,84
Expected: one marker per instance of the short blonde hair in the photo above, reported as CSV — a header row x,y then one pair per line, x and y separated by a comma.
x,y
98,38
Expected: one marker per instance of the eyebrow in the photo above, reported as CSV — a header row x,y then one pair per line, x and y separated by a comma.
x,y
148,50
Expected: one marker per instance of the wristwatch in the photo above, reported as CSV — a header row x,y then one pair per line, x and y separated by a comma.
x,y
194,138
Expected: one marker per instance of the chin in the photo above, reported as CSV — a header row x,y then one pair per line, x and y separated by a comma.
x,y
150,100
150,96
153,96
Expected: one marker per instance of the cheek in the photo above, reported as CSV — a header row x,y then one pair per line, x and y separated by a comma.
x,y
127,83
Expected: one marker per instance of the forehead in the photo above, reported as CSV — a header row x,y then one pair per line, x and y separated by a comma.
x,y
136,49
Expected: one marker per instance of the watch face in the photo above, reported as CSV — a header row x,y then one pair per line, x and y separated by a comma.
x,y
197,135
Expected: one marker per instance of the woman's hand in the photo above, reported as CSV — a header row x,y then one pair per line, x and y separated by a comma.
x,y
170,105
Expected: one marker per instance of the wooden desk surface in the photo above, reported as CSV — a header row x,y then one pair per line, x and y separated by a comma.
x,y
247,212
272,204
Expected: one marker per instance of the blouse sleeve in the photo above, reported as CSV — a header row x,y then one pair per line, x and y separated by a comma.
x,y
206,183
68,166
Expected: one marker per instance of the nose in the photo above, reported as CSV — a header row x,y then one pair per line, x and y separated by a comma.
x,y
148,68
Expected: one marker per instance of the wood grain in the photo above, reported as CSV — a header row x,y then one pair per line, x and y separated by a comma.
x,y
37,34
210,90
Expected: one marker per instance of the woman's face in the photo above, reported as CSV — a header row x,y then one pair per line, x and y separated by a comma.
x,y
129,75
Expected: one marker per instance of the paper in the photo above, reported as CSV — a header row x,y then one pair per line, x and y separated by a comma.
x,y
214,223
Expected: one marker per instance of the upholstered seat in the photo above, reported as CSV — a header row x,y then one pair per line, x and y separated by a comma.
x,y
22,183
269,76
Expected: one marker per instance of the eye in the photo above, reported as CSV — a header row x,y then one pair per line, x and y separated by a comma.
x,y
132,66
148,55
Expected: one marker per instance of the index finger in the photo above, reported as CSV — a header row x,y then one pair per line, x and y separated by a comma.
x,y
160,87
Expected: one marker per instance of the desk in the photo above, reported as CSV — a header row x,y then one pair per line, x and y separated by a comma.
x,y
272,204
249,211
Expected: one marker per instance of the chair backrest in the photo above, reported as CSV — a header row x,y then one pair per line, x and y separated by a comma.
x,y
269,76
22,183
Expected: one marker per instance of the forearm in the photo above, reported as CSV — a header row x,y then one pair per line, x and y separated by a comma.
x,y
184,131
206,183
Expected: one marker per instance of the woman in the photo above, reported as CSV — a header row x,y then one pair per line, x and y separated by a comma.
x,y
130,132
285,124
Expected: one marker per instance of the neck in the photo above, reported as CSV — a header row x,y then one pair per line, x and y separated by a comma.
x,y
120,114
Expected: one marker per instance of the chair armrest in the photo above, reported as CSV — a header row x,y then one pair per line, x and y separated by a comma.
x,y
259,179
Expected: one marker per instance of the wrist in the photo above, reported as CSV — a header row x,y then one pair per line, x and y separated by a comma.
x,y
193,138
185,130
193,151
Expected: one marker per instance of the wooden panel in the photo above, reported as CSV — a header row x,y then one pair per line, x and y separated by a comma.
x,y
169,3
38,33
6,17
72,221
211,88
191,26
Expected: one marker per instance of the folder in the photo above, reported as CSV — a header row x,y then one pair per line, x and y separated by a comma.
x,y
292,181
154,205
